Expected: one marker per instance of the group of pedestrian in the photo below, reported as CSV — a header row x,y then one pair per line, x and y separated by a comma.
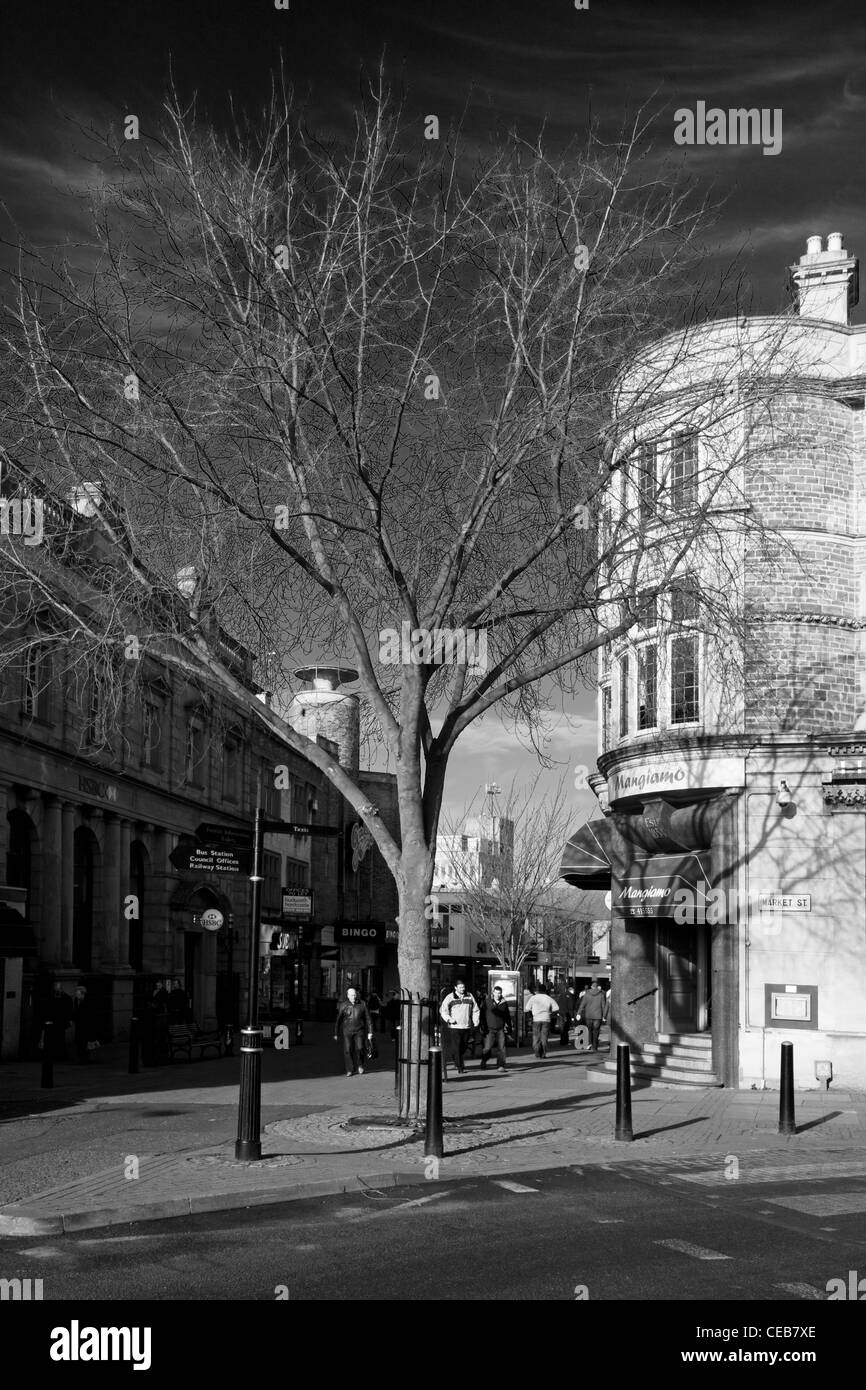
x,y
467,1019
69,1011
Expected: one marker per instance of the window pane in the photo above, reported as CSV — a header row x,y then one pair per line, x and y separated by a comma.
x,y
150,734
685,704
607,717
623,696
684,468
647,480
647,608
647,678
684,601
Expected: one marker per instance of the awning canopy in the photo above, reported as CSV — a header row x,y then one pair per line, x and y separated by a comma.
x,y
586,861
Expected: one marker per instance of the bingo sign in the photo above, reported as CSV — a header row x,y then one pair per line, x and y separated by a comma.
x,y
211,919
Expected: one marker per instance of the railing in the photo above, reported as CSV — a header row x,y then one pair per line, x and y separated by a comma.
x,y
419,1030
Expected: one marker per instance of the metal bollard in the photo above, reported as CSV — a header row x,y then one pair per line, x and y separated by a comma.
x,y
786,1091
623,1093
133,1046
433,1136
48,1055
397,1060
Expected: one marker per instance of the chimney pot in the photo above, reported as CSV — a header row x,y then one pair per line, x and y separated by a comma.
x,y
813,246
834,241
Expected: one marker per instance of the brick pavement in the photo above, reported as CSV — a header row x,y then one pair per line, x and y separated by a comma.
x,y
543,1114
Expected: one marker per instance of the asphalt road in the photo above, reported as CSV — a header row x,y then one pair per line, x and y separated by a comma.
x,y
604,1233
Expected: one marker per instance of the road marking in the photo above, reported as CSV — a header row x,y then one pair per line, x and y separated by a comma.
x,y
855,1168
802,1291
356,1215
697,1252
609,1220
113,1240
513,1186
825,1203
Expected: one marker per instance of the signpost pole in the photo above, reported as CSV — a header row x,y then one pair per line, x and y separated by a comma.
x,y
249,1144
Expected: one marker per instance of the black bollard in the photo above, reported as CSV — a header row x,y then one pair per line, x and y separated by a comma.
x,y
433,1135
48,1056
623,1093
133,1046
786,1091
397,1059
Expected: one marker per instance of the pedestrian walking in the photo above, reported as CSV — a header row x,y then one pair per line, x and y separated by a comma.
x,y
356,1026
391,1014
82,1018
60,1013
179,1007
461,1013
497,1026
527,1016
374,1005
563,1003
542,1008
592,1010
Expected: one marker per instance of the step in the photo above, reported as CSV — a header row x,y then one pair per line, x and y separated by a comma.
x,y
659,1076
698,1041
653,1055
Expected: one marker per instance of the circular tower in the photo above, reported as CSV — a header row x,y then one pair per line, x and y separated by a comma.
x,y
322,709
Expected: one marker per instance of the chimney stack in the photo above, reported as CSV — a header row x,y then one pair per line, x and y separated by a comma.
x,y
826,284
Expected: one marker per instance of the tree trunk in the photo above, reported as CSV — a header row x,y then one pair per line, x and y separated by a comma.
x,y
418,1013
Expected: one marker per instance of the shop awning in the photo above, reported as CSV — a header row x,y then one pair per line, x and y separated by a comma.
x,y
657,885
586,861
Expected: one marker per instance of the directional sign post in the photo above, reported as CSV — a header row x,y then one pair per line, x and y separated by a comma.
x,y
223,835
212,859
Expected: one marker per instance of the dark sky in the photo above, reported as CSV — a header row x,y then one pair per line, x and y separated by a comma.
x,y
65,66
524,60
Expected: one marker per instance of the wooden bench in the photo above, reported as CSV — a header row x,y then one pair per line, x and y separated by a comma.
x,y
183,1037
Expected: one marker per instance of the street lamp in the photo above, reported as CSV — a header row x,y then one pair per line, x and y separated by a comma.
x,y
249,1142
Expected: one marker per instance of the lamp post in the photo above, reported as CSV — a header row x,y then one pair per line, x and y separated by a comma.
x,y
249,1143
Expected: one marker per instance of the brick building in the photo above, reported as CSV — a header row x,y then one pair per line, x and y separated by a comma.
x,y
732,766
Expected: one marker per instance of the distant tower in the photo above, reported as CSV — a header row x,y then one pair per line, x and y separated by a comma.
x,y
322,709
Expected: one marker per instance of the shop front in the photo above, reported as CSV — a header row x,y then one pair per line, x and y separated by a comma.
x,y
671,866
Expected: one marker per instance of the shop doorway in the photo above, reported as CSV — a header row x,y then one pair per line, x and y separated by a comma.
x,y
684,975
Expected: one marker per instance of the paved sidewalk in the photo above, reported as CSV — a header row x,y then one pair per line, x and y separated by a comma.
x,y
339,1135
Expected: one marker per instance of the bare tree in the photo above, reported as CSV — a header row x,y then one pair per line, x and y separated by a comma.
x,y
353,401
511,896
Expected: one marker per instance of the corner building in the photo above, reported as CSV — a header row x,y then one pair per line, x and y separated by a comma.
x,y
732,759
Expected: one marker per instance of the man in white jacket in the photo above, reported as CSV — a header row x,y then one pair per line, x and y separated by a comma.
x,y
542,1008
460,1011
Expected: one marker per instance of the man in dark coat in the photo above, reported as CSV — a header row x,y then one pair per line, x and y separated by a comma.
x,y
498,1026
60,1014
353,1020
82,1017
592,1011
